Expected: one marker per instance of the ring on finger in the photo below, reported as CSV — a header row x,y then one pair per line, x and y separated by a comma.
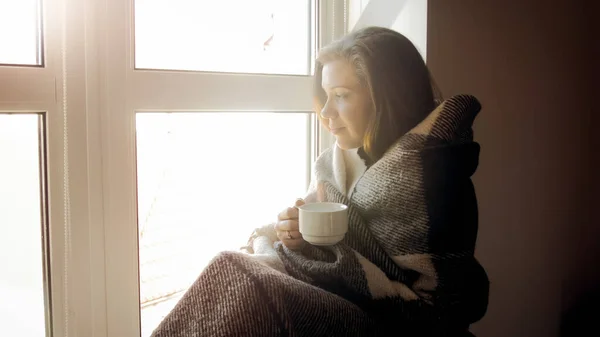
x,y
289,235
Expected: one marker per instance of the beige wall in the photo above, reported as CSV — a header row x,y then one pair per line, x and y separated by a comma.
x,y
530,64
412,22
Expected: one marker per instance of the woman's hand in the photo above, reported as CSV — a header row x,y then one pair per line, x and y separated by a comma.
x,y
287,227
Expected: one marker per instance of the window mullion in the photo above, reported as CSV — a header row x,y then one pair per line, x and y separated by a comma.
x,y
180,91
71,232
118,169
333,25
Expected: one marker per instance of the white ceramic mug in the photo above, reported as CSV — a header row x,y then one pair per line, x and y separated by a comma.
x,y
323,223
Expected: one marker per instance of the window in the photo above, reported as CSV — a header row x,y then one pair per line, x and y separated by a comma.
x,y
205,181
194,167
23,242
261,36
111,96
199,119
20,32
32,206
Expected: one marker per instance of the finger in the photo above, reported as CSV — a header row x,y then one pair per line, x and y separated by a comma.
x,y
320,192
286,225
294,244
299,202
289,235
288,213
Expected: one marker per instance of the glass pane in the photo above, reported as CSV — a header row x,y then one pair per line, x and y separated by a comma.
x,y
22,301
258,36
20,32
205,181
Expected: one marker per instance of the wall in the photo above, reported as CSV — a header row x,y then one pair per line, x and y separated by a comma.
x,y
413,24
406,16
535,66
529,63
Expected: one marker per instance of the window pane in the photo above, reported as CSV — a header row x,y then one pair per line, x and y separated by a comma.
x,y
20,32
259,36
22,256
205,181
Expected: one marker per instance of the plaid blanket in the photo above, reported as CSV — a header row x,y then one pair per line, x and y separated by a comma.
x,y
405,268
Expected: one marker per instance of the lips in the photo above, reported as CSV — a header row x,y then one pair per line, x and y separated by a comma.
x,y
336,130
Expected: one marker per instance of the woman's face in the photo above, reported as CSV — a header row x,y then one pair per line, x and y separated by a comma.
x,y
348,108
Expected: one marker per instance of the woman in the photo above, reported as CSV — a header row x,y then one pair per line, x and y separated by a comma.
x,y
372,87
402,163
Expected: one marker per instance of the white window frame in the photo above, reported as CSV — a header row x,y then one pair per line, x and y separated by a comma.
x,y
123,91
45,89
90,42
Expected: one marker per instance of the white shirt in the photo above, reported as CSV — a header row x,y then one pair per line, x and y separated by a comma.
x,y
347,169
354,167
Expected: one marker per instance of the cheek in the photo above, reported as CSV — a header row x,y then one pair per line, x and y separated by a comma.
x,y
355,116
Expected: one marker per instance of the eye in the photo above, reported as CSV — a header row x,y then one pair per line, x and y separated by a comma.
x,y
341,95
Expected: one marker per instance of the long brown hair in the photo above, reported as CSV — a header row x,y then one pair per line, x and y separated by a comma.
x,y
395,74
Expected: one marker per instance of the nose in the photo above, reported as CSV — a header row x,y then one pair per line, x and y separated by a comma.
x,y
328,111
